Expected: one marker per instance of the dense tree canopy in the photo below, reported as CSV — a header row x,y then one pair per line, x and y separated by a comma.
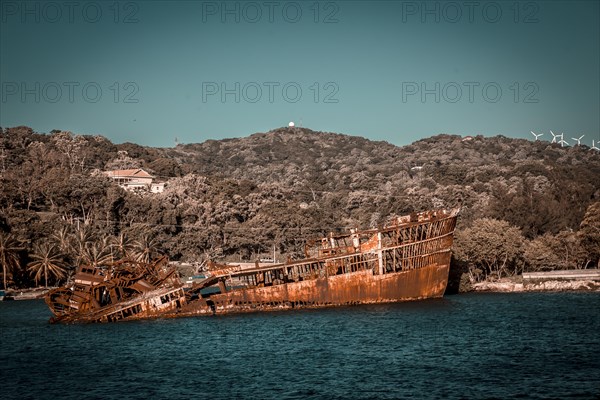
x,y
493,245
525,205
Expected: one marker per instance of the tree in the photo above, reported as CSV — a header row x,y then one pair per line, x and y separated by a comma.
x,y
47,262
292,186
81,239
71,148
540,253
164,167
552,252
62,239
493,245
122,244
589,232
570,251
145,248
97,253
9,255
123,161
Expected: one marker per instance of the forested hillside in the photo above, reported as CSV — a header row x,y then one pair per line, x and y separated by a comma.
x,y
525,205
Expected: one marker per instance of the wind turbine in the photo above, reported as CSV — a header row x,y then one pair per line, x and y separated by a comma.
x,y
537,135
562,141
553,137
594,146
578,140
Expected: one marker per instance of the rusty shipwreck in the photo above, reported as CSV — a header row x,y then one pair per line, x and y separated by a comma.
x,y
408,259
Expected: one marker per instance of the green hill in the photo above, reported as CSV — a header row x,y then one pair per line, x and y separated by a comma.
x,y
239,198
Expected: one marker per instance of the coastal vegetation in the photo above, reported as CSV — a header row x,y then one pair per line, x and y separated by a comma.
x,y
526,206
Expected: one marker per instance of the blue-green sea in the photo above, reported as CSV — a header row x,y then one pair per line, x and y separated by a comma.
x,y
480,346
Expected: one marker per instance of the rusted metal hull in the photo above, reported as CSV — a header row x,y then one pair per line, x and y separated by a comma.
x,y
408,259
153,304
118,291
362,287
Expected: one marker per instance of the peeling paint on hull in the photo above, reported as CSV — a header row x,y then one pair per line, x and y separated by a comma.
x,y
353,288
406,260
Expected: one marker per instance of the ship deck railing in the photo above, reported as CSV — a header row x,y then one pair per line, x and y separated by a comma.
x,y
324,260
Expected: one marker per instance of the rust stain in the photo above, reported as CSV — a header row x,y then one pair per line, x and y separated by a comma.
x,y
121,290
407,260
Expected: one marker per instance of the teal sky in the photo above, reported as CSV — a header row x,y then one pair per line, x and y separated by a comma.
x,y
386,70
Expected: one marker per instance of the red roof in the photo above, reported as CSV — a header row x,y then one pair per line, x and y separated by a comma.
x,y
129,173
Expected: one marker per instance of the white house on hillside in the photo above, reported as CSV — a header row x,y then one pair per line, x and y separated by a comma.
x,y
157,187
135,179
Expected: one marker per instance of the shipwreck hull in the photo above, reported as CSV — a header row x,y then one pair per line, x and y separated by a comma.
x,y
362,287
408,259
117,291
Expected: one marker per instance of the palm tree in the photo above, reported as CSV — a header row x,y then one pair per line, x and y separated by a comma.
x,y
9,254
82,237
145,249
97,253
62,238
47,261
123,244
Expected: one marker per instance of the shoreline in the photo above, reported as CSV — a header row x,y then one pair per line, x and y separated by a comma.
x,y
26,294
511,286
505,285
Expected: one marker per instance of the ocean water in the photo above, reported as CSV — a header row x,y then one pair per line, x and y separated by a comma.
x,y
532,345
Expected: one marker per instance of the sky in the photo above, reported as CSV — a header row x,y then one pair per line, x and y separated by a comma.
x,y
152,72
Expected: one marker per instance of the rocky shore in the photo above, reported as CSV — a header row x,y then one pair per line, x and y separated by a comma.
x,y
26,294
506,285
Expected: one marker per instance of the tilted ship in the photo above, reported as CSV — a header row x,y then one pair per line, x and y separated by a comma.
x,y
408,259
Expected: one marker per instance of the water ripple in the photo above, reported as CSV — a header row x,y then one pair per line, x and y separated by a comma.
x,y
533,345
